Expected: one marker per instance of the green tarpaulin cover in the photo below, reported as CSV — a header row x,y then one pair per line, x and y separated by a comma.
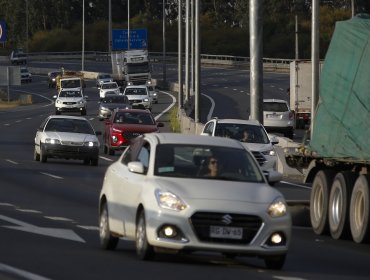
x,y
342,118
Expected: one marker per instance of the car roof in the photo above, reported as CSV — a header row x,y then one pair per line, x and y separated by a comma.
x,y
239,121
275,100
193,139
137,86
67,117
132,110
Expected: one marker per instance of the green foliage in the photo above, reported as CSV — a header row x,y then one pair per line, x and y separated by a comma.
x,y
174,121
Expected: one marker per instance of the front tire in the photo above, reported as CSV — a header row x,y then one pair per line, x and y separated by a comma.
x,y
36,156
143,249
319,201
107,241
43,156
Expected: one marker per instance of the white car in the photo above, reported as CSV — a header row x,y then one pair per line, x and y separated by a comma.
x,y
70,100
153,93
103,78
277,117
67,137
108,87
26,76
139,97
258,141
157,195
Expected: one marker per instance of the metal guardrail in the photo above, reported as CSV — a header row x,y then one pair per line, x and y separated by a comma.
x,y
225,60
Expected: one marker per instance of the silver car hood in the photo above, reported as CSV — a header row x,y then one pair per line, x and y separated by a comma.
x,y
136,97
207,189
70,99
257,146
70,136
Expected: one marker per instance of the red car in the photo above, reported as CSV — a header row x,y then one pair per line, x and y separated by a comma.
x,y
126,124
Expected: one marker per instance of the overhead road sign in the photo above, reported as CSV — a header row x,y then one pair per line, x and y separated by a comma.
x,y
138,39
2,31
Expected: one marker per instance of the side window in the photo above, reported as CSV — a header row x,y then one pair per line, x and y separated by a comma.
x,y
127,157
209,128
143,155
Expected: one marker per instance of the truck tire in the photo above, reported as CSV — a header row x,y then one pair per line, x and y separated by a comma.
x,y
339,201
319,201
359,210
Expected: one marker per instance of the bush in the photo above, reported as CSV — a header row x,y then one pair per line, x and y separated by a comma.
x,y
174,121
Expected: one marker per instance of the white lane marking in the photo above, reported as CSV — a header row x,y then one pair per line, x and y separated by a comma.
x,y
39,95
51,232
105,158
51,175
28,210
11,161
18,121
6,204
91,119
28,118
169,107
7,124
58,219
287,278
297,185
89,227
209,116
21,273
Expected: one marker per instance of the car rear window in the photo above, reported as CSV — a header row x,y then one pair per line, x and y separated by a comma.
x,y
275,107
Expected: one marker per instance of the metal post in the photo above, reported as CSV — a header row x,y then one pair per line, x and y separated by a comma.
x,y
180,96
197,64
128,24
187,61
296,37
27,26
192,57
83,36
109,26
315,59
353,7
256,68
164,44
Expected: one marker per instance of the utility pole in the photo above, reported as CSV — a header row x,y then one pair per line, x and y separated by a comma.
x,y
128,24
197,63
83,36
187,42
256,64
180,95
109,26
164,44
315,59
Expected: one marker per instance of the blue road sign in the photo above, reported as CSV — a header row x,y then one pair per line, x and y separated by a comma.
x,y
138,39
2,31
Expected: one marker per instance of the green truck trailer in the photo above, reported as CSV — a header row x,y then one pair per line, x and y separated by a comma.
x,y
336,158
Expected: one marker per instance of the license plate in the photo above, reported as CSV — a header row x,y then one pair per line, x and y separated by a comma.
x,y
226,232
272,116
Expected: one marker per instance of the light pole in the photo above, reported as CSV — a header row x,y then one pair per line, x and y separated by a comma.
x,y
109,26
83,36
164,43
128,24
27,26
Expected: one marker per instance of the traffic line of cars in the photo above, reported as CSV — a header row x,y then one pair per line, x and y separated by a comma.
x,y
172,192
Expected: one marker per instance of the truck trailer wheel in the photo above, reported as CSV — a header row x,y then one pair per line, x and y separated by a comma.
x,y
359,210
339,201
319,201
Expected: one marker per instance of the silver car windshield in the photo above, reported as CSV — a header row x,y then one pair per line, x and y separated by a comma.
x,y
69,125
256,133
208,162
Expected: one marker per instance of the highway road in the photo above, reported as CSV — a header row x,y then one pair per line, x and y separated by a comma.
x,y
49,212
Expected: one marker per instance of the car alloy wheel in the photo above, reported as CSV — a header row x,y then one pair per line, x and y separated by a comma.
x,y
107,241
143,249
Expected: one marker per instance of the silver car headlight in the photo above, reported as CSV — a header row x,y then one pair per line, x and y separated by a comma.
x,y
155,94
170,201
146,99
59,102
52,141
278,208
91,144
80,102
269,152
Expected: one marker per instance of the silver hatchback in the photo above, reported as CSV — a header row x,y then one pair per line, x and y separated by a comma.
x,y
277,117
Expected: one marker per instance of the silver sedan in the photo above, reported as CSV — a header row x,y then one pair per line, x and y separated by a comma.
x,y
172,192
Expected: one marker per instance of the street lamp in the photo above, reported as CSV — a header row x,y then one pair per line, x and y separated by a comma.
x,y
83,36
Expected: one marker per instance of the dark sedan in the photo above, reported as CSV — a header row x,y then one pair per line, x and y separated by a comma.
x,y
111,102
